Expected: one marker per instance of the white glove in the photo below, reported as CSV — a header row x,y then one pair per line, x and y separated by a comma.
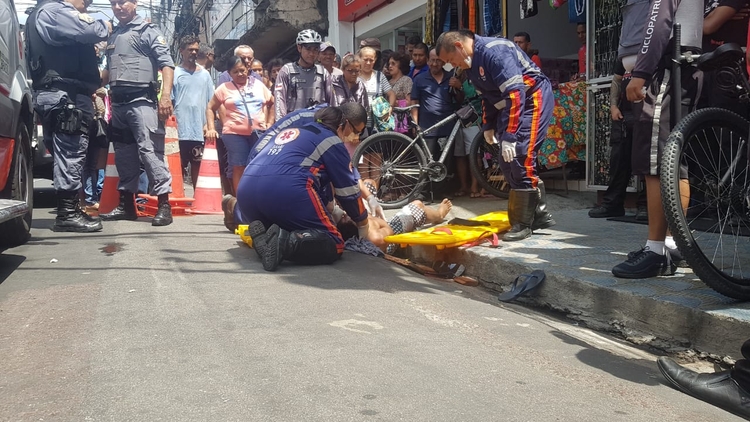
x,y
336,214
375,208
489,137
362,231
508,151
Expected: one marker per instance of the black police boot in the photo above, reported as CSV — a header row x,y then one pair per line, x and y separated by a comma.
x,y
542,218
522,205
163,215
124,211
70,218
307,247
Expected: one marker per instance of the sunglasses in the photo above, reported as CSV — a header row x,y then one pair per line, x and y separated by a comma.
x,y
354,129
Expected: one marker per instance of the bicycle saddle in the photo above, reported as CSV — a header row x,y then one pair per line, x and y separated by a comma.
x,y
404,109
725,54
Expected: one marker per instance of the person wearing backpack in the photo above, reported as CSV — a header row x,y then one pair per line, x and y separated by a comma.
x,y
377,86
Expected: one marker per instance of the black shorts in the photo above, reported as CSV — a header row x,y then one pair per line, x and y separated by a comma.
x,y
653,117
190,152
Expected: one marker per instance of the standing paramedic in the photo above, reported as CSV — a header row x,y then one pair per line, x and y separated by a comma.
x,y
650,89
60,39
287,186
136,51
303,83
517,101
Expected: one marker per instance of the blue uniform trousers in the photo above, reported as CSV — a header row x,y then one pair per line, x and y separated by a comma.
x,y
293,205
141,119
521,173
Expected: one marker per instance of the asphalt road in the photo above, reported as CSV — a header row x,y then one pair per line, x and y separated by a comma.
x,y
138,323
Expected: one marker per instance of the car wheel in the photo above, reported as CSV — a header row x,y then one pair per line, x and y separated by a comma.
x,y
17,231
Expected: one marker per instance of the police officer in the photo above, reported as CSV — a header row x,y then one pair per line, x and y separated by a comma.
x,y
136,51
517,101
303,83
287,186
60,40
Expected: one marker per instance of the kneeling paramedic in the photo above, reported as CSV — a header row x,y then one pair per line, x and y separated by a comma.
x,y
286,188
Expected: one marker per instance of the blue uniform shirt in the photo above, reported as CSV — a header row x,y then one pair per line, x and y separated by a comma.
x,y
504,76
311,153
59,23
435,101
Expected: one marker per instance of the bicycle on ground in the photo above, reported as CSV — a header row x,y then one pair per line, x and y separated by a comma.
x,y
401,166
709,214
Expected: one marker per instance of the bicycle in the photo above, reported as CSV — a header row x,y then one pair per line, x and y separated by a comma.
x,y
402,166
709,215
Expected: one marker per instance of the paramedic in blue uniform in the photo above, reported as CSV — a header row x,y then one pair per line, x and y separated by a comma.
x,y
136,51
283,189
517,101
60,40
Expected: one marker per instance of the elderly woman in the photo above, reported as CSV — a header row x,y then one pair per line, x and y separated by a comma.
x,y
347,88
247,102
375,82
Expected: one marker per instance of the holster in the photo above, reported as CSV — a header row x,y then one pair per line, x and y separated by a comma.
x,y
70,120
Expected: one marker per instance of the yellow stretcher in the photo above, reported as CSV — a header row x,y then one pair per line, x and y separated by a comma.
x,y
241,230
454,235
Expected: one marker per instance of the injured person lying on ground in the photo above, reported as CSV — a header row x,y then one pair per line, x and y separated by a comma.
x,y
410,218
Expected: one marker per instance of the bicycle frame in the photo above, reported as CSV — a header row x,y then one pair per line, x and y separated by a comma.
x,y
420,137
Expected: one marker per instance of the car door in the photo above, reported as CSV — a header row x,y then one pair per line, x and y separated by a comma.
x,y
9,33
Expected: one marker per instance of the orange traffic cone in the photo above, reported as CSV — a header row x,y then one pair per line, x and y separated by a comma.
x,y
172,156
110,197
208,189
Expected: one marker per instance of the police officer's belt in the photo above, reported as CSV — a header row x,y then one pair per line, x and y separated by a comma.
x,y
126,97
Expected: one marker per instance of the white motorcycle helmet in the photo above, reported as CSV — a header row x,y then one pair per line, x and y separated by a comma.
x,y
308,36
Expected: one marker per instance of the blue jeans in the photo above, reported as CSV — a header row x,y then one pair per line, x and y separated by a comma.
x,y
93,178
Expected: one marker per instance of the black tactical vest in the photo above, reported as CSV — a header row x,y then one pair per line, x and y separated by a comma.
x,y
72,66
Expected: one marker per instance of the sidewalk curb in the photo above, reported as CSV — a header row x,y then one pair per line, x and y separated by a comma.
x,y
662,324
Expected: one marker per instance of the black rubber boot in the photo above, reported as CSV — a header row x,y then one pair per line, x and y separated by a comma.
x,y
522,205
542,218
124,211
163,215
306,247
70,218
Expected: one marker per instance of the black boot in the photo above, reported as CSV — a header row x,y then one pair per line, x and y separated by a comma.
x,y
69,216
522,205
89,218
124,211
163,215
542,218
307,247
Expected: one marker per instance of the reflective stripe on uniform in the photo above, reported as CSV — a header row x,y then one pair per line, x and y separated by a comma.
x,y
351,190
320,150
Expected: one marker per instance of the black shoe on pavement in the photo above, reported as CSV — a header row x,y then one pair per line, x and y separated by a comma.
x,y
641,214
273,255
125,211
645,264
257,232
674,254
604,212
718,389
163,215
228,203
70,218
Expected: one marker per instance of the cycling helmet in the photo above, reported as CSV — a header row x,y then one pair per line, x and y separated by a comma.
x,y
308,36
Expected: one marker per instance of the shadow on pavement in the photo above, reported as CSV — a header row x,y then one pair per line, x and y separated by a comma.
x,y
8,264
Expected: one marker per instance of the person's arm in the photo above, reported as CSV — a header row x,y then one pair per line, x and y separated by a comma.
x,y
506,73
65,26
414,99
718,17
654,46
165,103
328,87
268,107
279,92
615,90
211,108
346,188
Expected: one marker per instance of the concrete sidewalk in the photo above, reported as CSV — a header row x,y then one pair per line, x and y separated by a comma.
x,y
677,313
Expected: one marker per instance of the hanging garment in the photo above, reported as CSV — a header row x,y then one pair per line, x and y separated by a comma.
x,y
493,18
429,25
472,13
577,11
528,8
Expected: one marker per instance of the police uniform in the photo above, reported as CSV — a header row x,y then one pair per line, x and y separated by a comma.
x,y
517,103
285,185
135,53
65,73
298,87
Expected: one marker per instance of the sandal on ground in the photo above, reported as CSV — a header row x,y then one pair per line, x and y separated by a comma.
x,y
522,284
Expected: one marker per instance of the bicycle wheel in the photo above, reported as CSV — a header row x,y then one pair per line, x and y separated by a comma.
x,y
713,232
398,178
485,167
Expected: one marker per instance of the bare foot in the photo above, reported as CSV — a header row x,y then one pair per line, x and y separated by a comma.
x,y
444,207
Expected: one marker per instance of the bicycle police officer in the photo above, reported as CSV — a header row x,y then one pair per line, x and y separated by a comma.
x,y
303,83
60,40
136,51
